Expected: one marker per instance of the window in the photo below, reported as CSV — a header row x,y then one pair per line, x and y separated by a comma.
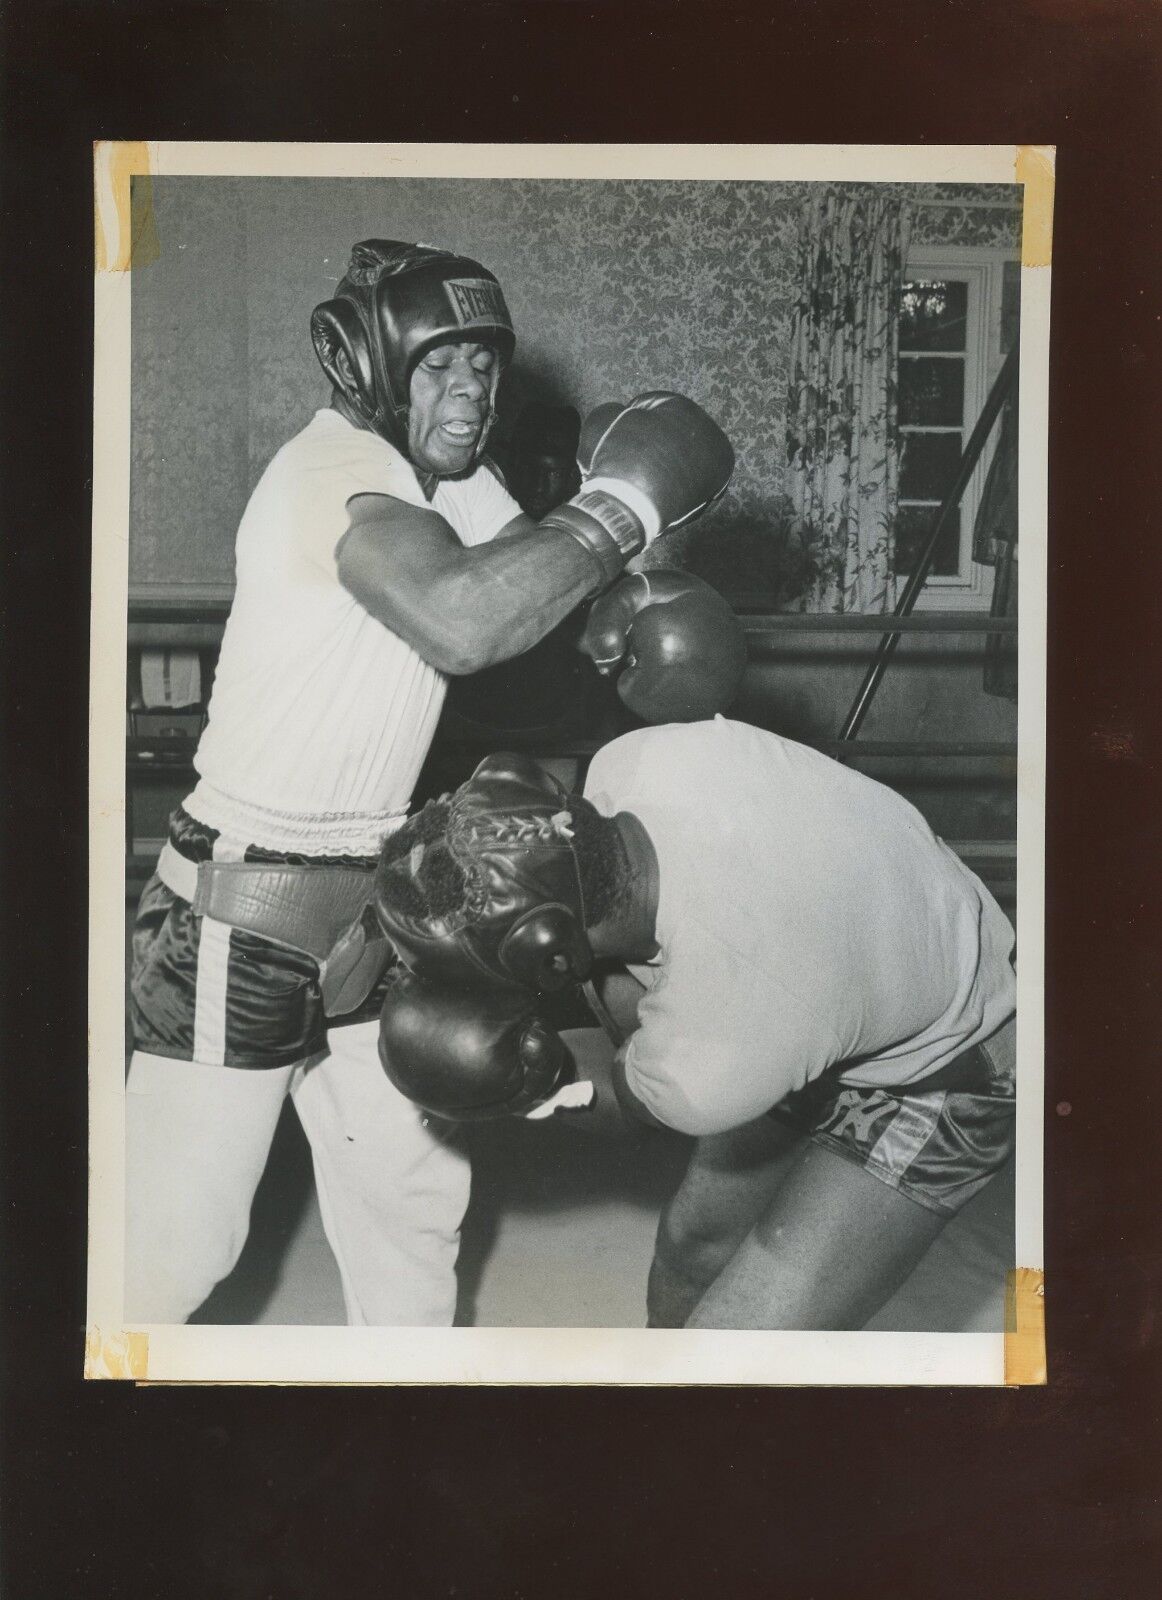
x,y
950,353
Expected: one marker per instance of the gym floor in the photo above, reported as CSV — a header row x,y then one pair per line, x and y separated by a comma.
x,y
559,1234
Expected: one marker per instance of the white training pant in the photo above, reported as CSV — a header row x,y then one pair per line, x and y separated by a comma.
x,y
392,1193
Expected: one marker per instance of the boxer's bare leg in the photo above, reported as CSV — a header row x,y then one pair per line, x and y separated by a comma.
x,y
730,1180
830,1248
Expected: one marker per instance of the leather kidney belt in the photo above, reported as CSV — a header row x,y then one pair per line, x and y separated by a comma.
x,y
321,911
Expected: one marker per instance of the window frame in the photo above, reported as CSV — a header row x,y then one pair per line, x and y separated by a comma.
x,y
982,267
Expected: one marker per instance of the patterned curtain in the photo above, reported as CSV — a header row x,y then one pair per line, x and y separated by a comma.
x,y
842,442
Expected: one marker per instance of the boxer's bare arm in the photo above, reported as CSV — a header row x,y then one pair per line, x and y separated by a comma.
x,y
521,524
462,608
630,1105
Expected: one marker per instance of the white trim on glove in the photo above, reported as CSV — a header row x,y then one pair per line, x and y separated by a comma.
x,y
572,1097
640,504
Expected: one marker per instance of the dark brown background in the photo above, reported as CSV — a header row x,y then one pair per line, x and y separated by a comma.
x,y
809,1494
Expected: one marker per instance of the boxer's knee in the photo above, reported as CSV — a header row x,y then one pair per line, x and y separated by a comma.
x,y
173,1263
393,1186
689,1253
671,1295
196,1142
693,1242
701,1228
181,1241
727,1183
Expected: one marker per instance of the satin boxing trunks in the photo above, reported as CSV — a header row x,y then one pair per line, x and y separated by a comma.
x,y
938,1143
203,991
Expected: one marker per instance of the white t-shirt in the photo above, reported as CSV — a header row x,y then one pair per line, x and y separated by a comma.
x,y
807,916
321,717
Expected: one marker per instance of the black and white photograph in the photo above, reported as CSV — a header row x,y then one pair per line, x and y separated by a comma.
x,y
567,763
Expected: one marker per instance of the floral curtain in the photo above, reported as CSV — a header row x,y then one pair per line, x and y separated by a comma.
x,y
842,444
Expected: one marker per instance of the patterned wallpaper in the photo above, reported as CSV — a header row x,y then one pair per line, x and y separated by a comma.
x,y
614,287
189,476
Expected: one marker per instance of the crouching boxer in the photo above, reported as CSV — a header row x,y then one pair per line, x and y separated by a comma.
x,y
801,975
379,553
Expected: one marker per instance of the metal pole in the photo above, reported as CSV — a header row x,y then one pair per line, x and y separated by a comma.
x,y
999,393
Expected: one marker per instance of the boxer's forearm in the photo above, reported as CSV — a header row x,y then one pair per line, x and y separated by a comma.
x,y
522,524
463,609
614,1113
633,1108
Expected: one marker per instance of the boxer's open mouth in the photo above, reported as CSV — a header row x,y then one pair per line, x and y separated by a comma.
x,y
462,432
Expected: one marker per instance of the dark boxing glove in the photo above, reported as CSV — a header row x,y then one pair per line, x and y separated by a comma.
x,y
592,430
674,643
650,465
469,1055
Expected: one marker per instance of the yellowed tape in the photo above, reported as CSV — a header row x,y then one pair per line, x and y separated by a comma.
x,y
119,1355
125,226
1025,1326
1034,168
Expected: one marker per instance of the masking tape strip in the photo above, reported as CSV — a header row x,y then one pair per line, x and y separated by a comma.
x,y
1034,168
125,226
1025,1326
119,1355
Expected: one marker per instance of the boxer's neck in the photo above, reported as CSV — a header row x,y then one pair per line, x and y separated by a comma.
x,y
428,481
349,413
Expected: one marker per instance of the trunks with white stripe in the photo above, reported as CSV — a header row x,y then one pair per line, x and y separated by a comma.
x,y
201,990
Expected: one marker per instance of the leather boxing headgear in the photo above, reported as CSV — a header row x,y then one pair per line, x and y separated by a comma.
x,y
397,302
520,920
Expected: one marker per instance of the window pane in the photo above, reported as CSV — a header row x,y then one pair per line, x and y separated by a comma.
x,y
932,392
913,525
928,464
933,315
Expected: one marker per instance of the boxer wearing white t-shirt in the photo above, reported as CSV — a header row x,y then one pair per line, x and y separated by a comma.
x,y
378,554
348,707
319,722
827,1004
796,970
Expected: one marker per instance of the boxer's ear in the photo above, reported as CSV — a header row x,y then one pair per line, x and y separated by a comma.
x,y
341,344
